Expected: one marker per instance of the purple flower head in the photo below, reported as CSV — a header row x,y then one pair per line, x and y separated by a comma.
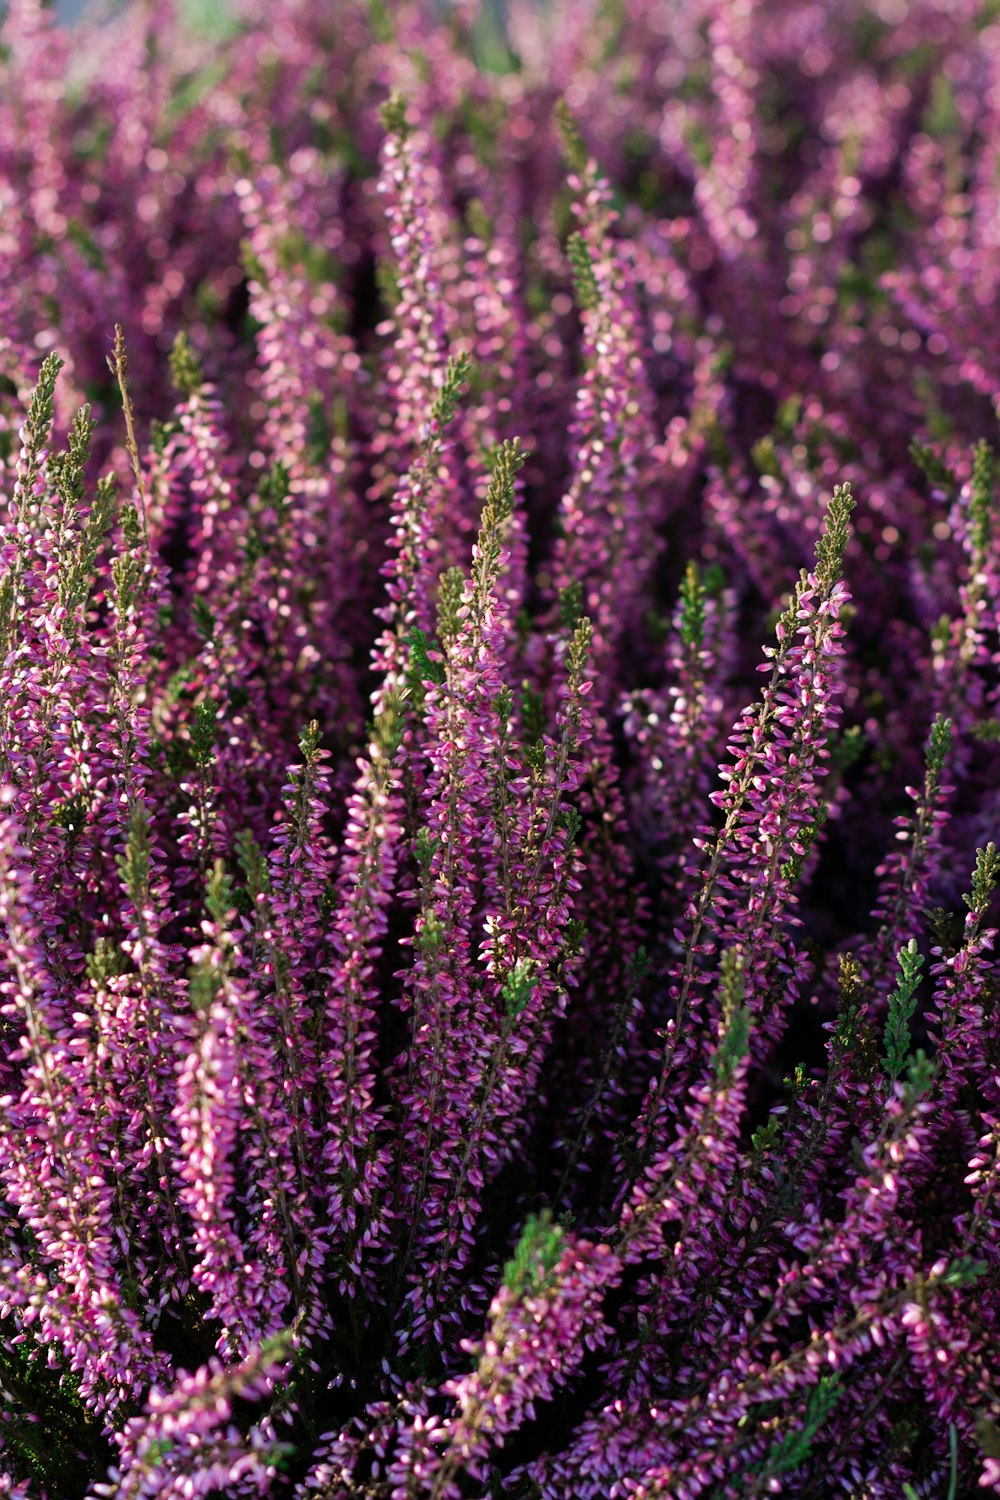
x,y
500,1031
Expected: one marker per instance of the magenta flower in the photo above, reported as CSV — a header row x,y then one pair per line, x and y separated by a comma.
x,y
499,1031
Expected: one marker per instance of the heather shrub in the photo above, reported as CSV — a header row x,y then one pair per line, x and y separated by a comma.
x,y
499,715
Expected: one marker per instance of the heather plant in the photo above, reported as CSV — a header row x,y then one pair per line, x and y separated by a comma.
x,y
499,717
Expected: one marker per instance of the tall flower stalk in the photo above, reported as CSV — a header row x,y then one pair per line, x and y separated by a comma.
x,y
449,1045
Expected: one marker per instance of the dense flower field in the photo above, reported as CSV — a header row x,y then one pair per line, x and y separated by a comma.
x,y
499,733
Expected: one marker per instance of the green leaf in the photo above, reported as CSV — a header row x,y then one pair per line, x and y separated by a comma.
x,y
832,544
573,147
393,116
535,1257
456,374
902,1003
517,988
938,745
219,901
203,731
134,863
736,1018
185,369
984,879
571,604
981,503
793,1448
585,286
692,595
202,618
449,601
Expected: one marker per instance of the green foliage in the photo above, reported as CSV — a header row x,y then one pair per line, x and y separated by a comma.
x,y
276,485
919,1076
795,1444
578,654
902,1004
78,545
981,503
251,860
456,375
517,988
765,1138
387,284
733,1047
537,756
984,879
320,429
586,290
393,116
67,470
798,1083
988,1433
157,1449
70,813
765,457
532,709
938,746
450,591
219,894
126,578
847,748
832,544
934,469
49,1453
574,937
963,1271
133,865
203,732
736,1018
202,618
38,424
692,594
430,937
310,740
792,868
508,461
389,726
945,929
571,604
106,961
424,848
571,819
849,993
849,977
698,142
573,147
97,527
536,1255
503,703
185,368
203,987
421,667
131,523
489,43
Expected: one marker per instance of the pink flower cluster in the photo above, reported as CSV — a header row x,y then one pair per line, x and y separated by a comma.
x,y
499,732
